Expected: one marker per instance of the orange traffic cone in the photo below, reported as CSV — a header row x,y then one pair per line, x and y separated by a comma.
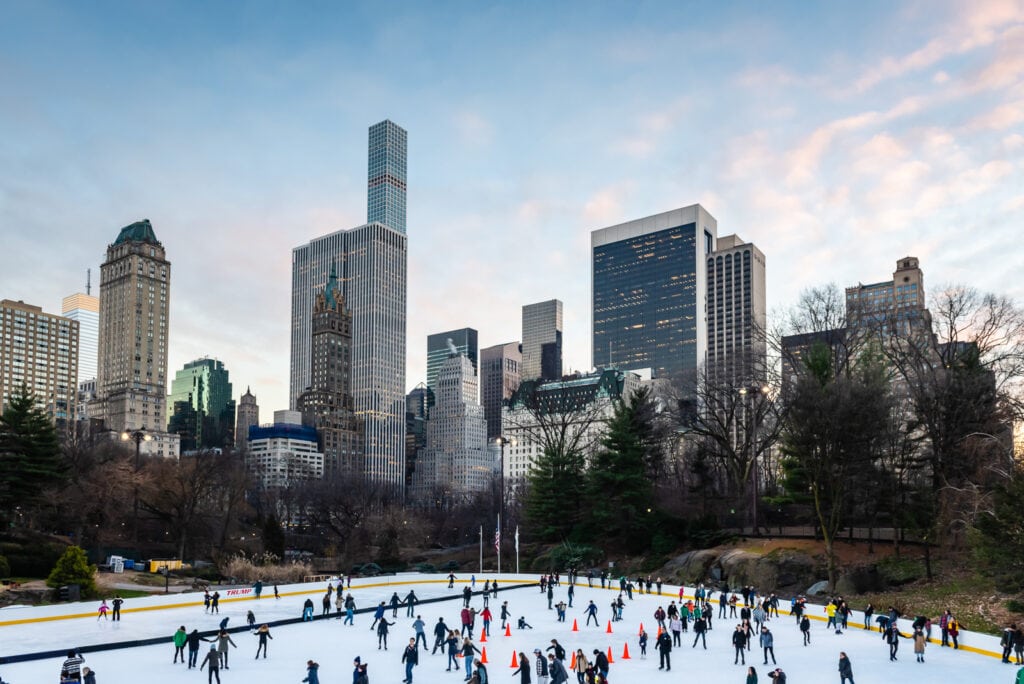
x,y
575,627
483,636
483,655
508,629
515,660
609,630
572,665
625,651
659,631
641,629
610,659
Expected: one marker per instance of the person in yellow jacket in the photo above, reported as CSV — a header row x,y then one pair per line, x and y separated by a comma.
x,y
830,610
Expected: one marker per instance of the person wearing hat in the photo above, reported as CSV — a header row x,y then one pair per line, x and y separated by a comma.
x,y
359,675
312,672
542,666
213,660
768,644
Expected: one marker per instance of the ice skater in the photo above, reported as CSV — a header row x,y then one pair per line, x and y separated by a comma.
x,y
845,669
312,672
382,632
102,611
71,669
263,634
411,659
213,660
180,638
223,640
115,614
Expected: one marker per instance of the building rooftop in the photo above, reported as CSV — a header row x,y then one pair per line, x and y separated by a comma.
x,y
140,231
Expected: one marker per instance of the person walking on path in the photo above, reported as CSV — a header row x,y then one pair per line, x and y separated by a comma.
x,y
845,669
180,638
411,658
664,645
312,672
116,608
525,666
213,660
222,641
767,640
263,633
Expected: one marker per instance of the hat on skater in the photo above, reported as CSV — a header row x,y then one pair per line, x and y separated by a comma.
x,y
357,660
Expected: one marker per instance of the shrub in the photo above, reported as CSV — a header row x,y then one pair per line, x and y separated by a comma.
x,y
568,555
5,567
1015,606
73,568
264,567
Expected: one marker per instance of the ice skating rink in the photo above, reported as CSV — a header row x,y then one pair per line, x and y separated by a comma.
x,y
334,645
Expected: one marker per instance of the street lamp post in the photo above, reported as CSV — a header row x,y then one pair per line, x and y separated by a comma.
x,y
503,442
138,436
756,392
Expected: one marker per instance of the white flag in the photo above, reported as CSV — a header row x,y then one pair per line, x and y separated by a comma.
x,y
517,538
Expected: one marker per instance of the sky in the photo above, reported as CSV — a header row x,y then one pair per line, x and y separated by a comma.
x,y
838,137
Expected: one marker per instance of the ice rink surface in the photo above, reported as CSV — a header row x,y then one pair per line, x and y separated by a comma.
x,y
334,645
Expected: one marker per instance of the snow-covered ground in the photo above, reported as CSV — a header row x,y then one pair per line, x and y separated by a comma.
x,y
334,646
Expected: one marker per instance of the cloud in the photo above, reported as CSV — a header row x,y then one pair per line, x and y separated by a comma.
x,y
651,129
1002,117
473,129
605,207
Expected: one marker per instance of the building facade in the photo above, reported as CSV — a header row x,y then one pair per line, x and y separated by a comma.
x,y
894,306
200,408
246,416
371,265
283,453
85,309
542,341
649,292
327,404
737,313
131,382
40,351
499,379
386,170
439,346
456,462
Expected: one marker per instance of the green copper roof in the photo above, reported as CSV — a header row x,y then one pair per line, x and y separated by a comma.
x,y
140,231
330,292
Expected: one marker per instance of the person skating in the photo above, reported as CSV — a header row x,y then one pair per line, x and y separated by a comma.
x,y
71,668
551,594
767,640
466,619
440,634
805,628
453,650
115,605
213,660
207,598
486,616
505,614
525,667
395,602
676,626
739,641
845,669
467,596
180,638
277,595
480,676
451,580
699,631
359,674
307,610
102,610
222,641
591,612
581,665
382,632
193,648
468,651
410,603
778,675
411,658
570,592
664,646
601,664
378,615
263,633
643,643
920,641
523,624
419,626
541,663
325,605
312,672
954,631
557,670
892,637
250,619
224,622
88,676
560,611
870,610
559,650
1006,641
751,675
215,603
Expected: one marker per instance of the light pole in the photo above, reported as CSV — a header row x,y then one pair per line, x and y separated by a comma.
x,y
503,442
757,393
138,436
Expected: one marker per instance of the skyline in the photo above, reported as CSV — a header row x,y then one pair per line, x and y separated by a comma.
x,y
836,139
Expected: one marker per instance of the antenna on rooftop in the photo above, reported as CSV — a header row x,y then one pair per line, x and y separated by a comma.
x,y
88,281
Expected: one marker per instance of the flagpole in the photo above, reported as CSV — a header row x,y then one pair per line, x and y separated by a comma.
x,y
517,549
481,549
497,542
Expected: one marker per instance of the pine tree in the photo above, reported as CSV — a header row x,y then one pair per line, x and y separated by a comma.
x,y
555,496
30,456
73,568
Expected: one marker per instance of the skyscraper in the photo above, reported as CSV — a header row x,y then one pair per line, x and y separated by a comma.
x,y
85,309
370,263
737,309
131,385
246,416
499,379
327,404
200,409
39,350
439,348
385,196
649,288
542,341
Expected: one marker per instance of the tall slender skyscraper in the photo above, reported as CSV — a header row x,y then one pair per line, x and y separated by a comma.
x,y
385,196
131,385
542,340
371,263
649,288
737,311
499,379
85,309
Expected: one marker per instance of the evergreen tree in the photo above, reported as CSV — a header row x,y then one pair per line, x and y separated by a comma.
x,y
273,536
618,483
73,568
999,534
555,496
30,457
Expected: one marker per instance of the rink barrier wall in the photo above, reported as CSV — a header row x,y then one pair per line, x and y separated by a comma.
x,y
156,641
